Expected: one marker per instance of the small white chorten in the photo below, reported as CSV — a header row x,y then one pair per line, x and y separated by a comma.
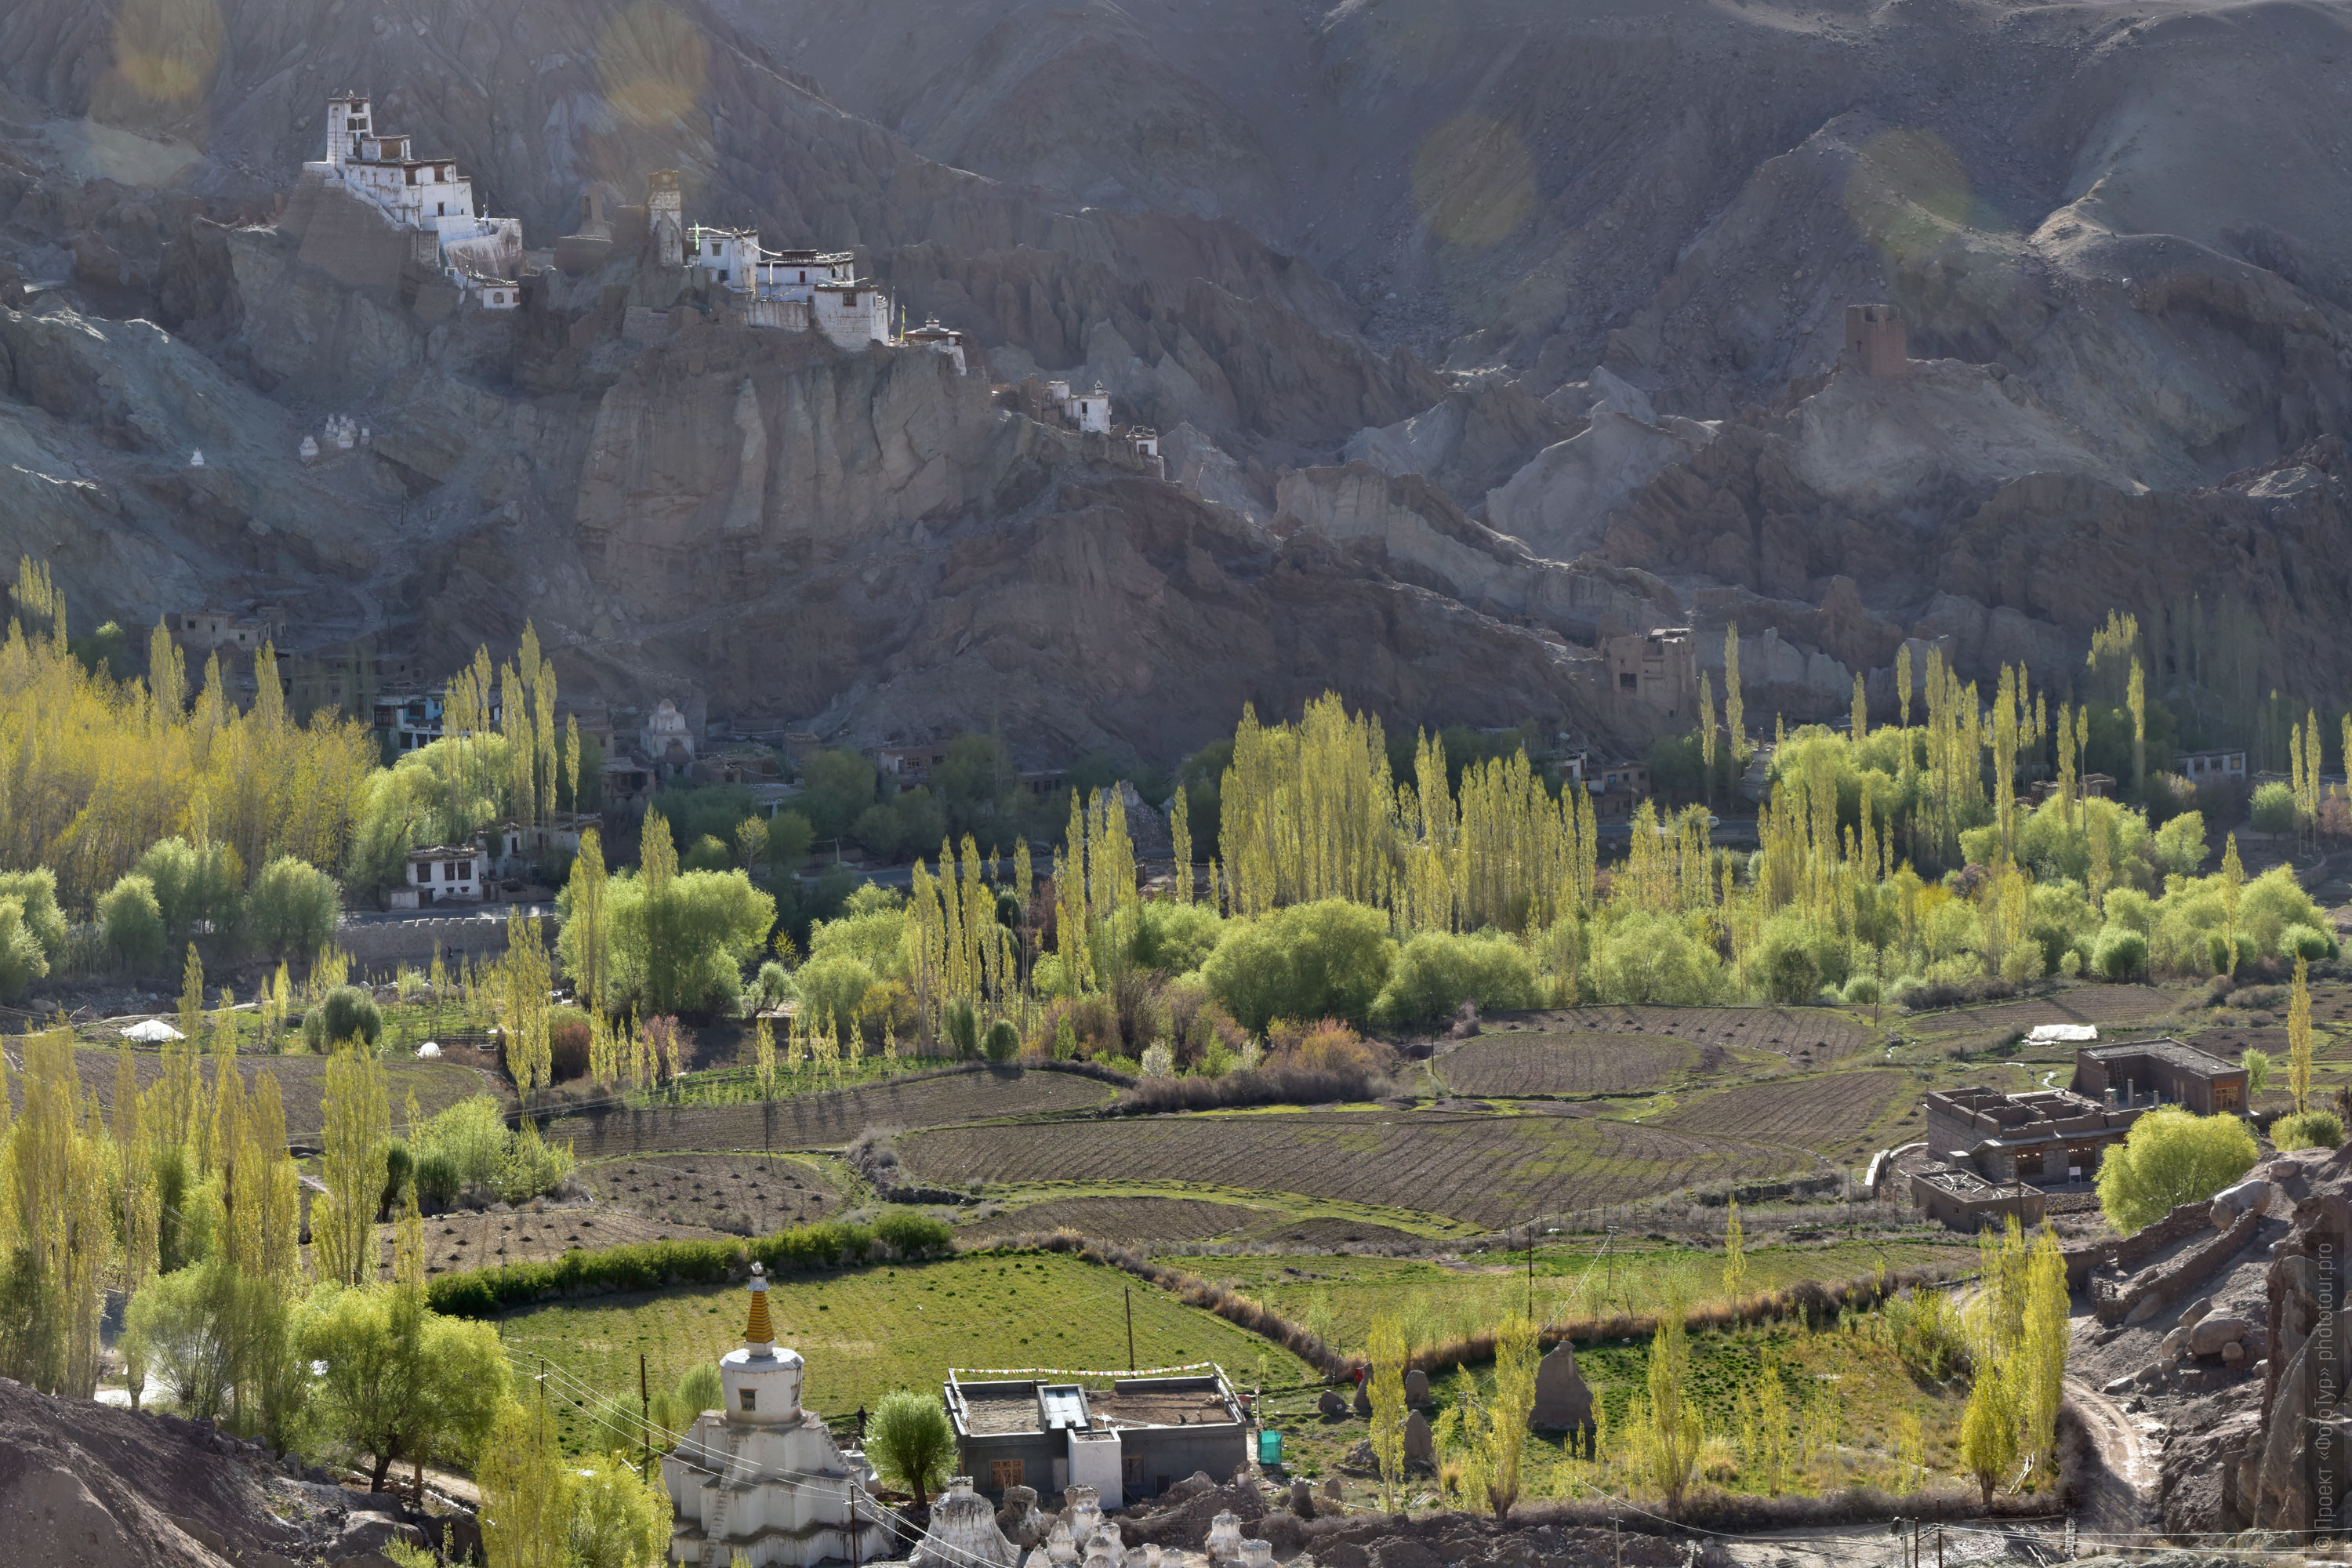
x,y
197,459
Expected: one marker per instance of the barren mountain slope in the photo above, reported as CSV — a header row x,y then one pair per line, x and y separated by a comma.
x,y
1626,232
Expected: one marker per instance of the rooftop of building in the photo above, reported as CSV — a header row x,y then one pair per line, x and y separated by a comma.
x,y
445,852
1962,1183
1057,1400
2174,1052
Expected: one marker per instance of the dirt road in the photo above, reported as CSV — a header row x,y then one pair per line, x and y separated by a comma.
x,y
2122,1496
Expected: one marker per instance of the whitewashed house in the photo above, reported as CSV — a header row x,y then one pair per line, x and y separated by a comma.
x,y
441,874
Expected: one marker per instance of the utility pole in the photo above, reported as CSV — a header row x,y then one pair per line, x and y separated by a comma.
x,y
646,1411
1131,1328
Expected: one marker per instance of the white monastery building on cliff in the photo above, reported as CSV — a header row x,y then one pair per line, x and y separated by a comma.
x,y
425,197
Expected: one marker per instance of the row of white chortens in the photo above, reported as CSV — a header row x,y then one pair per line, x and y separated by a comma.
x,y
761,1481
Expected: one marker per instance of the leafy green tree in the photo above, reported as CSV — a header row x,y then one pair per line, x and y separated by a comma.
x,y
1004,1041
835,786
35,892
196,887
678,947
348,1013
182,1330
2168,1158
526,1513
619,1519
1171,937
400,1381
1436,972
293,907
1654,959
709,853
2119,953
2272,811
2258,1066
133,923
909,1442
2180,844
789,838
1326,959
832,988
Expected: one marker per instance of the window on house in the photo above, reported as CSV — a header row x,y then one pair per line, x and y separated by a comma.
x,y
1003,1473
1628,680
750,1398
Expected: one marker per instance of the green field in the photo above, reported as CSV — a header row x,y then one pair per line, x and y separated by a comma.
x,y
869,1331
1337,1295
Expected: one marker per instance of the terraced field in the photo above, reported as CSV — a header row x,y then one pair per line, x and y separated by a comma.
x,y
1540,1063
485,1239
1834,1114
748,1194
2100,1004
1487,1170
830,1119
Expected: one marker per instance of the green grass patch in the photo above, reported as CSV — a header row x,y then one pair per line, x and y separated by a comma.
x,y
869,1331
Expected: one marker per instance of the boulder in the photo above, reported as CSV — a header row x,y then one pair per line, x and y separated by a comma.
x,y
1416,1387
2195,1310
2173,1342
1332,1403
1563,1403
1420,1447
364,1532
1302,1498
1333,1490
1364,1399
2255,1193
2211,1333
2234,1355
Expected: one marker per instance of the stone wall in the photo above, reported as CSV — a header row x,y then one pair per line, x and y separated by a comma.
x,y
2133,1250
385,945
2143,1296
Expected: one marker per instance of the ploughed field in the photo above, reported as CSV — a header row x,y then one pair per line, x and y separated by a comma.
x,y
744,1194
1486,1169
302,1083
1814,1035
1545,1063
475,1238
1834,1114
831,1119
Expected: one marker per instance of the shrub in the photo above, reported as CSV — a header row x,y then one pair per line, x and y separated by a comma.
x,y
2311,1130
708,853
1329,1045
1003,1042
293,907
133,923
1174,938
960,1022
2301,941
2273,811
912,1234
1436,973
1326,958
1275,1084
567,1048
36,894
2119,953
1862,991
348,1012
438,1184
2171,1157
22,962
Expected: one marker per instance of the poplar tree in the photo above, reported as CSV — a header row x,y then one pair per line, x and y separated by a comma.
x,y
1735,1261
2298,1037
1675,1432
1707,731
357,1118
2137,698
1385,1349
2233,878
1735,707
1989,1429
1180,828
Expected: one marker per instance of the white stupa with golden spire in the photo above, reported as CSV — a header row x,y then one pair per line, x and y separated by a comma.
x,y
763,1477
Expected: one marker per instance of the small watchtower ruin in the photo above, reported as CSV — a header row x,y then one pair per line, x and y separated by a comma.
x,y
1874,343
